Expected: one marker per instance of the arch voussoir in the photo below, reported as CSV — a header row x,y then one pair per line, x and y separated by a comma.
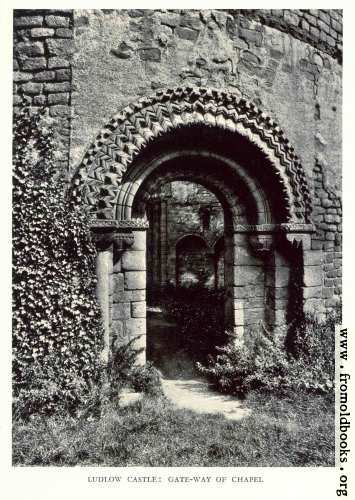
x,y
129,131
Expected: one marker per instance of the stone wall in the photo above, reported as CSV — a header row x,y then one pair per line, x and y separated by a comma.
x,y
186,207
43,46
322,29
86,65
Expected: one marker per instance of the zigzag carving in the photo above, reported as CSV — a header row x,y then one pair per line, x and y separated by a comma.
x,y
96,181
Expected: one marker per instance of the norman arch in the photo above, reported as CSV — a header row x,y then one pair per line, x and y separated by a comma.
x,y
237,152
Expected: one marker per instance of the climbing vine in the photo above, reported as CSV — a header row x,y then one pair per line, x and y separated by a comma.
x,y
57,330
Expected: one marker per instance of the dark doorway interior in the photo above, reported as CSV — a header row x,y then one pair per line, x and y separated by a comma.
x,y
185,263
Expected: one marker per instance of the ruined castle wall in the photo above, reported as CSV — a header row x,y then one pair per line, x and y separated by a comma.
x,y
86,65
43,48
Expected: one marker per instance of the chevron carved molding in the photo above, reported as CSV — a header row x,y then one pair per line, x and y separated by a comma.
x,y
97,180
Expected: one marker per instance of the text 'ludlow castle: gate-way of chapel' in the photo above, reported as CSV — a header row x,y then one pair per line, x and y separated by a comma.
x,y
207,145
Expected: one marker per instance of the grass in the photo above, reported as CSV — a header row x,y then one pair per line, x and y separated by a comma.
x,y
292,431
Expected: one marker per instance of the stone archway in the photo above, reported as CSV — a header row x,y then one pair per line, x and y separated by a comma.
x,y
115,167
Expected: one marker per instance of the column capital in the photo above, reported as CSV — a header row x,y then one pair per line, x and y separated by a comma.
x,y
120,233
288,227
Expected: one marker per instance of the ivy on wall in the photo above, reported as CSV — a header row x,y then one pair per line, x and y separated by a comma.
x,y
57,331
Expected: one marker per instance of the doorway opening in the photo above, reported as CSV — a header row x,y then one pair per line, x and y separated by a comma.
x,y
185,289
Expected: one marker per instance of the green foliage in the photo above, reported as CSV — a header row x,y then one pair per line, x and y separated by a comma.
x,y
146,379
124,371
291,431
57,330
261,362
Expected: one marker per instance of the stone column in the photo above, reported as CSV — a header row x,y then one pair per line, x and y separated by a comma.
x,y
103,273
124,282
312,275
163,242
134,272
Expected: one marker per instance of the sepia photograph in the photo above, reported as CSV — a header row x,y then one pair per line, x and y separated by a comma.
x,y
177,238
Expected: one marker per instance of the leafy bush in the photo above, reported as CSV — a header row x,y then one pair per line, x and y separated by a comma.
x,y
146,379
124,371
57,331
261,362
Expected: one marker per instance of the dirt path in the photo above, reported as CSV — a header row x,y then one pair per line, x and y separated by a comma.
x,y
196,395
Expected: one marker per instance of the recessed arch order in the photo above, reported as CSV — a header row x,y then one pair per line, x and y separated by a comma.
x,y
97,182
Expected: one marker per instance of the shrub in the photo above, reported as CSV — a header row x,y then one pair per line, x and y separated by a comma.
x,y
57,332
146,379
124,371
262,362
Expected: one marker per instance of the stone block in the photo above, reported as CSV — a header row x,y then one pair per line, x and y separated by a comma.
x,y
57,87
312,276
312,258
256,302
282,276
186,33
240,292
30,49
62,75
60,48
291,17
251,36
58,62
19,76
242,256
59,110
337,264
39,100
189,21
138,309
238,304
61,98
312,292
44,76
64,33
329,257
134,260
34,63
244,275
171,20
41,32
329,282
121,310
57,21
136,326
150,54
140,238
135,280
239,317
129,296
327,292
32,88
333,302
279,293
28,21
118,282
